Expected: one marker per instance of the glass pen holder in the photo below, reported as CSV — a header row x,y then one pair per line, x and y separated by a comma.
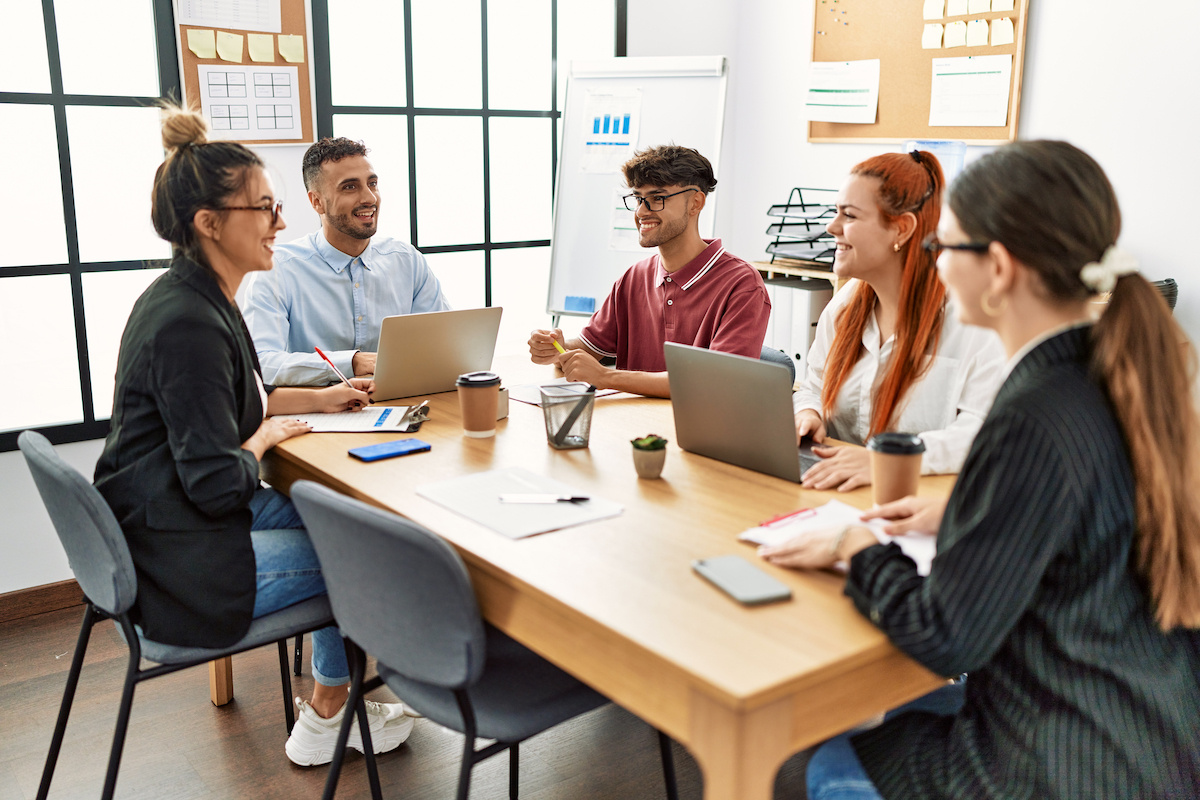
x,y
568,412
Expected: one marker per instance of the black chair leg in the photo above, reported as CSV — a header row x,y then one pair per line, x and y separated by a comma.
x,y
131,679
289,715
464,769
514,769
668,765
355,707
64,709
299,654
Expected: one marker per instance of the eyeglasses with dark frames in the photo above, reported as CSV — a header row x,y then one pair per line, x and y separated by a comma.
x,y
655,202
275,210
932,244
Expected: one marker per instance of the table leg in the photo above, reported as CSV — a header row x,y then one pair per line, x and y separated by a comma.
x,y
220,680
739,752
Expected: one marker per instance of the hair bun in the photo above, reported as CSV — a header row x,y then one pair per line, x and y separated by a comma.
x,y
181,128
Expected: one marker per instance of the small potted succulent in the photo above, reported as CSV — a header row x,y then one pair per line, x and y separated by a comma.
x,y
649,453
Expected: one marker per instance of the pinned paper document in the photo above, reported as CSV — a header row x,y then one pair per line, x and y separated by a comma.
x,y
934,9
202,42
261,47
229,46
977,33
843,91
931,37
1002,31
956,8
979,6
971,91
291,48
956,34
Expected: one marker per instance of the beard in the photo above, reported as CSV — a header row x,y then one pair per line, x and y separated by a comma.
x,y
664,232
352,226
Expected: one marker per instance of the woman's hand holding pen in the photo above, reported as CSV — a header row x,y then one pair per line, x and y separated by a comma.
x,y
351,396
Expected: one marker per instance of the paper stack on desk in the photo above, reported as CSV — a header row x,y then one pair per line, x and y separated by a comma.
x,y
477,497
380,419
921,548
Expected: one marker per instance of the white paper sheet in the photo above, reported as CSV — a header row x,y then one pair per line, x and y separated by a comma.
x,y
956,8
977,33
956,34
376,419
242,15
843,91
529,392
933,9
931,37
611,137
250,102
921,548
622,230
1002,31
971,91
1002,5
979,6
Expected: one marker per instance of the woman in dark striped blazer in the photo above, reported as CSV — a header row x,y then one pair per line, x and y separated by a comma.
x,y
1067,580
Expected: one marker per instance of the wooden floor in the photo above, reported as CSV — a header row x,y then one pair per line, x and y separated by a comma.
x,y
181,746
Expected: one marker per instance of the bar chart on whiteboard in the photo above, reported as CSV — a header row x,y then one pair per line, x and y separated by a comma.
x,y
612,137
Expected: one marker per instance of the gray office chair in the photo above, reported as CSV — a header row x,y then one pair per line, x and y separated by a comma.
x,y
779,357
100,559
402,594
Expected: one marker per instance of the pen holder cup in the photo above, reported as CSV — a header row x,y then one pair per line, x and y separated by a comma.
x,y
559,405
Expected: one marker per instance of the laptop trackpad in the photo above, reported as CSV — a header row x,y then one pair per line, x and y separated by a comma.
x,y
807,456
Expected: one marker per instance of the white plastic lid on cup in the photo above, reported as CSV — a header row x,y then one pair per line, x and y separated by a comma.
x,y
950,153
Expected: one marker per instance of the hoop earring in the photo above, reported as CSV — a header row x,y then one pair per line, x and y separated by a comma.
x,y
990,309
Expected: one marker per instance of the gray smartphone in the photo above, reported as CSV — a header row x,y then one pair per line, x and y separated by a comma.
x,y
741,580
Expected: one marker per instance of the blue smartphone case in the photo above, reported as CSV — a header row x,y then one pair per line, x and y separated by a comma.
x,y
399,447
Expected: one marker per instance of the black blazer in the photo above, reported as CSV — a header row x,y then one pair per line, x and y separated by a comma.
x,y
173,469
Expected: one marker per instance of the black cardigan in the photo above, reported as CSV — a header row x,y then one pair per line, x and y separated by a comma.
x,y
173,469
1073,690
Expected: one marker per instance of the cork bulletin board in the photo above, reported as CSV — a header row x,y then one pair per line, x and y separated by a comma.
x,y
252,83
891,31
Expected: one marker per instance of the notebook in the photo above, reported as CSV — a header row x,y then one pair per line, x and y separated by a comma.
x,y
735,409
425,353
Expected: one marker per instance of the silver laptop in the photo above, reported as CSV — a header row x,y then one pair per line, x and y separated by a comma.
x,y
735,409
425,353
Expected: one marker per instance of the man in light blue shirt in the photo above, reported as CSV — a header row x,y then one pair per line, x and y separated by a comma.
x,y
332,289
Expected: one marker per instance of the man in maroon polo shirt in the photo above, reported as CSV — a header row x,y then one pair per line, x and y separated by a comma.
x,y
691,291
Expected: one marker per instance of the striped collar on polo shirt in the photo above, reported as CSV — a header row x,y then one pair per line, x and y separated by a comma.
x,y
700,273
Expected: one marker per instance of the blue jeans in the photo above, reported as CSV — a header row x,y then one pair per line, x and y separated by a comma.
x,y
288,572
835,773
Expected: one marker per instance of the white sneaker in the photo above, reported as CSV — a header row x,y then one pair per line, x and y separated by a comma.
x,y
314,738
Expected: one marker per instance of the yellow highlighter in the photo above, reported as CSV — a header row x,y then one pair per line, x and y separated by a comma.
x,y
557,346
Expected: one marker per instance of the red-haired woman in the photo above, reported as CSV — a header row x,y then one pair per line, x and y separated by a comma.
x,y
887,355
1067,578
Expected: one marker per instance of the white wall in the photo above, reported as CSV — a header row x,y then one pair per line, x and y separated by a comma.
x,y
1124,94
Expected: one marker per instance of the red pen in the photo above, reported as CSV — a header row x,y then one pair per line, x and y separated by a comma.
x,y
334,366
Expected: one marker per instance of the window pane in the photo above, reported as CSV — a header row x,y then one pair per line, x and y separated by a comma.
x,y
366,60
112,207
43,237
520,281
519,54
520,166
585,31
23,64
108,298
107,47
37,326
449,180
386,138
461,277
447,57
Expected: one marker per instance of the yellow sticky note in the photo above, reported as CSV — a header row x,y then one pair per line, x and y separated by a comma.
x,y
291,48
261,46
229,46
1002,5
933,9
956,8
979,6
956,34
1002,31
931,38
202,42
977,33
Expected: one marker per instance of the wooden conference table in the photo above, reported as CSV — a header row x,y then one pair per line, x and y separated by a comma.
x,y
616,603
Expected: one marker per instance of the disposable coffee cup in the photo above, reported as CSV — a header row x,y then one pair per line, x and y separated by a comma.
x,y
895,465
478,399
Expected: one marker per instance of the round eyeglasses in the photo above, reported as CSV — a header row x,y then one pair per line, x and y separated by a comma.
x,y
275,210
655,202
932,244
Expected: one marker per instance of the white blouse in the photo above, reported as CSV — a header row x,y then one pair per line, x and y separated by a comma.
x,y
945,407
